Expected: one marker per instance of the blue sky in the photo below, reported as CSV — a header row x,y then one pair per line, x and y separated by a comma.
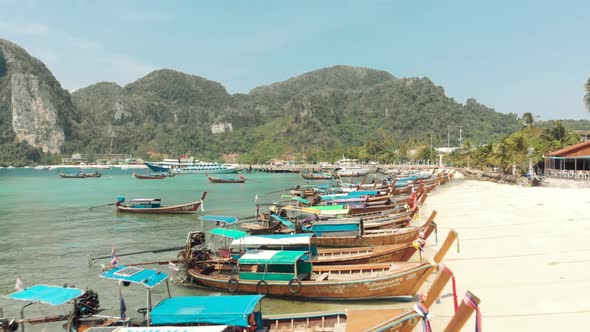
x,y
513,56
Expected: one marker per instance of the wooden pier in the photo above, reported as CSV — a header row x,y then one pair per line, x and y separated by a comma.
x,y
303,168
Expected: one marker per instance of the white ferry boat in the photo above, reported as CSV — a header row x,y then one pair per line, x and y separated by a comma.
x,y
190,166
349,167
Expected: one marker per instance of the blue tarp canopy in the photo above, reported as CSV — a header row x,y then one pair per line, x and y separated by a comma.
x,y
283,221
274,239
209,328
230,310
285,257
353,194
224,219
148,278
53,295
231,233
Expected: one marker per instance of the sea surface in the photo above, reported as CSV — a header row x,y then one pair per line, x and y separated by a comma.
x,y
49,230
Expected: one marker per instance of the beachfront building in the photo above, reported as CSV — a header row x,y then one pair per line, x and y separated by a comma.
x,y
572,162
101,159
584,135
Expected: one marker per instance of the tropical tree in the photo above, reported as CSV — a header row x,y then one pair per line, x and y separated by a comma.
x,y
587,96
558,136
528,120
484,156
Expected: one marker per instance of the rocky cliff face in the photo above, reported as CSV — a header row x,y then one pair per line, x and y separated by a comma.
x,y
33,106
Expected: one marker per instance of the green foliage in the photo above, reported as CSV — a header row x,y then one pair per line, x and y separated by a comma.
x,y
530,143
19,154
587,95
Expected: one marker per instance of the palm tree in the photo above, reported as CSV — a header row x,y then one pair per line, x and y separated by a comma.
x,y
558,136
528,120
587,96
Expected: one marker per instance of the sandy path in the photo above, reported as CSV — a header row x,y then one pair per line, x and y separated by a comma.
x,y
523,251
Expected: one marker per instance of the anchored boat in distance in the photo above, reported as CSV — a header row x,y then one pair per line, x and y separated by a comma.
x,y
190,166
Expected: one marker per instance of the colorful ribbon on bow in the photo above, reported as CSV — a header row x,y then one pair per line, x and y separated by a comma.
x,y
454,283
470,302
423,312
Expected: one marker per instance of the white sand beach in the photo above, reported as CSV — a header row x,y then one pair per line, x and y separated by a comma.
x,y
523,251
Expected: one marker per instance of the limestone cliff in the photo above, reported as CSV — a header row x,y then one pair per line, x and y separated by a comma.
x,y
33,106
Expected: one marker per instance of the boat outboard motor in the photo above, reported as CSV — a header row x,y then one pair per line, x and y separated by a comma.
x,y
87,304
8,325
120,199
197,238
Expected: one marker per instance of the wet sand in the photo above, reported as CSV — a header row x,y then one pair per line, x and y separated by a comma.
x,y
523,251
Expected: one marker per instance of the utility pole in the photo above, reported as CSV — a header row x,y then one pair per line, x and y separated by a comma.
x,y
460,136
431,147
449,137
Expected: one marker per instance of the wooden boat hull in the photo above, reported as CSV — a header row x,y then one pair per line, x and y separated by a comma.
x,y
171,209
149,177
353,320
225,181
71,176
387,237
400,283
316,177
374,237
349,320
92,175
396,220
365,255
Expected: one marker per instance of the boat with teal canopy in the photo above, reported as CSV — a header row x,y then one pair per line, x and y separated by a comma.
x,y
136,275
283,221
230,233
301,242
127,275
209,328
220,219
235,310
53,295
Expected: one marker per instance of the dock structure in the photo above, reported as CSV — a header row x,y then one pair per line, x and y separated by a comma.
x,y
303,168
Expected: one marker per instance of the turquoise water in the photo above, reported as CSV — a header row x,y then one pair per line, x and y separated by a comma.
x,y
48,232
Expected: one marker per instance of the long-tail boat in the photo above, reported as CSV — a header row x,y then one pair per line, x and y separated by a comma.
x,y
374,237
241,179
336,256
78,175
377,254
125,275
95,174
195,253
290,274
149,176
469,304
317,176
84,304
356,320
153,206
244,312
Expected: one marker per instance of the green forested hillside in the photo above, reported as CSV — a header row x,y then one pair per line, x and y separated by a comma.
x,y
321,115
324,113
